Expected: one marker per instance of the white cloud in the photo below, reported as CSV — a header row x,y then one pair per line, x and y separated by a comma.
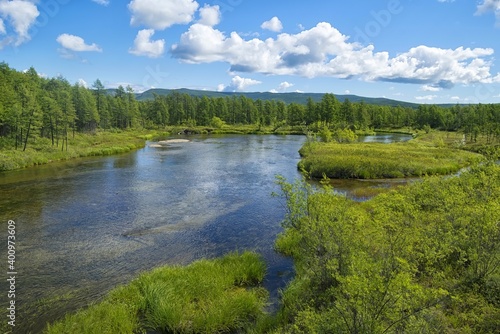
x,y
2,28
426,97
102,2
238,84
76,43
82,83
210,15
284,86
21,15
430,88
273,24
324,51
347,91
487,6
160,14
455,98
144,46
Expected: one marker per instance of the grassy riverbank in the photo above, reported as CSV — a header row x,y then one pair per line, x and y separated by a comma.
x,y
424,156
101,143
208,296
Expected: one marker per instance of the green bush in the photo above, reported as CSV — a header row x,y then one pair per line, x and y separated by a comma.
x,y
420,259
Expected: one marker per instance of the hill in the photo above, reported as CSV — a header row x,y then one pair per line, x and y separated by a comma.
x,y
285,97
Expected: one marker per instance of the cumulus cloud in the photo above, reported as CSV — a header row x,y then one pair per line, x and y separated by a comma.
x,y
430,88
144,46
238,84
487,6
21,15
76,43
2,28
210,15
82,83
284,86
273,24
160,14
102,2
324,51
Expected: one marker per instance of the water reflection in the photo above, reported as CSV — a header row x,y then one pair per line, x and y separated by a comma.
x,y
385,138
91,224
87,225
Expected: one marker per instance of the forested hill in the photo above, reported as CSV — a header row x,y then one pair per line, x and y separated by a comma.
x,y
300,98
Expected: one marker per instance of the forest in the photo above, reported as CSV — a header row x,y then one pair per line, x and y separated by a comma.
x,y
33,107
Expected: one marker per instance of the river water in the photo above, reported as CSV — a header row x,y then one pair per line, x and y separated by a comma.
x,y
85,226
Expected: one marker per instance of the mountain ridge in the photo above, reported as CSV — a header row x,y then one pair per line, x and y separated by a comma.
x,y
292,97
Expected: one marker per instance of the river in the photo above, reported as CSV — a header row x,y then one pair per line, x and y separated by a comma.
x,y
85,226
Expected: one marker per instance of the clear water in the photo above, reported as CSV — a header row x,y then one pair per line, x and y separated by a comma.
x,y
85,226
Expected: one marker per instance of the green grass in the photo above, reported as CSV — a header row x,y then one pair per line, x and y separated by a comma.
x,y
41,151
376,160
208,296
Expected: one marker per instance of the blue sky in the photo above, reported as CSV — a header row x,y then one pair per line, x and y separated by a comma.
x,y
423,51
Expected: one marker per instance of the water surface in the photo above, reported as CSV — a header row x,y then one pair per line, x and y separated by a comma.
x,y
88,225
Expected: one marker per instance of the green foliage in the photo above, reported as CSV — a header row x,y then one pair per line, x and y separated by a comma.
x,y
216,122
422,259
376,160
344,136
325,134
208,296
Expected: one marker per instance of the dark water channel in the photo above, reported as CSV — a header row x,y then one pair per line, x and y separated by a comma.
x,y
85,226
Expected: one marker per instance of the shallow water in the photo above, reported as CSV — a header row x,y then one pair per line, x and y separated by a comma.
x,y
88,225
85,226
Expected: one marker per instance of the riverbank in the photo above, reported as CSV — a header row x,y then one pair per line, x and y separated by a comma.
x,y
101,143
207,296
435,153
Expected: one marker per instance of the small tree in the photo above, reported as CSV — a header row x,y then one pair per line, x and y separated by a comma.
x,y
325,134
344,136
216,122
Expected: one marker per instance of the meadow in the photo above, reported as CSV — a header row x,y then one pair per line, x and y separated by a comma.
x,y
424,156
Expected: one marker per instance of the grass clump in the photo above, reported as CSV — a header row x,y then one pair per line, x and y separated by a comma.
x,y
208,296
377,160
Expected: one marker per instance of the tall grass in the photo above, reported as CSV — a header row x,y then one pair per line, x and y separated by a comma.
x,y
41,150
376,160
208,296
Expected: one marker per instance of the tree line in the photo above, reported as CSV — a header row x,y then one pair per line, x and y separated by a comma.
x,y
32,106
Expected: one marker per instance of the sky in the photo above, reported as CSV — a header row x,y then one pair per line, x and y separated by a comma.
x,y
420,51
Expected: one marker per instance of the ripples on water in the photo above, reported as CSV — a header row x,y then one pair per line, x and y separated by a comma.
x,y
88,225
